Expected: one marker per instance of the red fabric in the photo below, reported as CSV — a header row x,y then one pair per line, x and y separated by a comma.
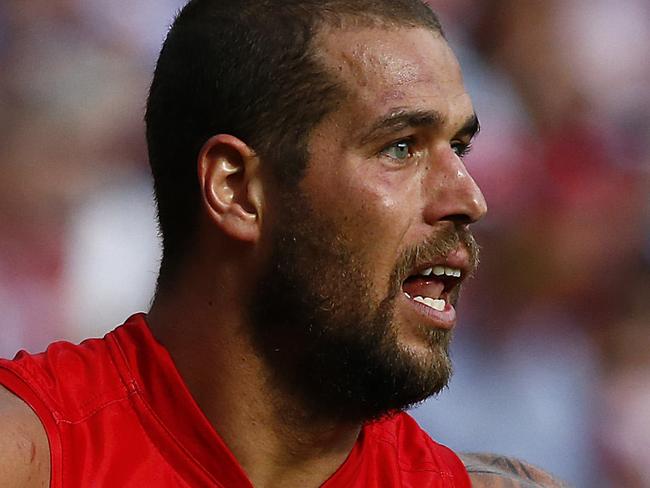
x,y
117,414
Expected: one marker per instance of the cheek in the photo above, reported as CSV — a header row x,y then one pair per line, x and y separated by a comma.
x,y
371,207
379,217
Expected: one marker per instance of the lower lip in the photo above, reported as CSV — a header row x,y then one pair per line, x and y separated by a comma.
x,y
445,319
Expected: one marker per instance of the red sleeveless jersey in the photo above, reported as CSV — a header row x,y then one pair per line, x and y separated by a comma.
x,y
117,414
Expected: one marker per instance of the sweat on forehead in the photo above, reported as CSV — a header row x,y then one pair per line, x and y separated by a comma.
x,y
382,63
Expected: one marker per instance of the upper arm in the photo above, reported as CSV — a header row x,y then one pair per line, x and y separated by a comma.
x,y
495,471
24,449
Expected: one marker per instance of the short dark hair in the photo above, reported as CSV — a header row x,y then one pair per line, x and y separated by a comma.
x,y
246,68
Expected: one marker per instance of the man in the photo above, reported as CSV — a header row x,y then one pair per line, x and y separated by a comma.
x,y
315,212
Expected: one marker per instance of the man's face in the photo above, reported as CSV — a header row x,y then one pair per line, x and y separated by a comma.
x,y
351,311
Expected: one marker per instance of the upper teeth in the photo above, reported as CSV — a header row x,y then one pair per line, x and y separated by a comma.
x,y
442,271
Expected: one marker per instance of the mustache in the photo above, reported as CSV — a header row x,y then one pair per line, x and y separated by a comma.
x,y
435,247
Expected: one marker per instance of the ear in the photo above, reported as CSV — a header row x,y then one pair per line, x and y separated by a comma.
x,y
231,186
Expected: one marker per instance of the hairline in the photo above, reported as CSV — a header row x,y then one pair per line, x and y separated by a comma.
x,y
349,22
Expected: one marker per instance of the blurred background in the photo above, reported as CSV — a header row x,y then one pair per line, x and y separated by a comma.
x,y
553,352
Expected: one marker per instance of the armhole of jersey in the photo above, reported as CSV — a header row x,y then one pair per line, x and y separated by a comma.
x,y
13,382
459,470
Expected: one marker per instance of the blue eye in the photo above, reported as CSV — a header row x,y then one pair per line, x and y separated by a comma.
x,y
399,150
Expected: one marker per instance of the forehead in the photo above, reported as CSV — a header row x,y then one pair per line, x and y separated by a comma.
x,y
383,69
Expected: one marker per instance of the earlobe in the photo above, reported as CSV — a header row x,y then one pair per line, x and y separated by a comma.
x,y
230,187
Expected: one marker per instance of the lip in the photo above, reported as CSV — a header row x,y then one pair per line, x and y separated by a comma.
x,y
433,318
459,258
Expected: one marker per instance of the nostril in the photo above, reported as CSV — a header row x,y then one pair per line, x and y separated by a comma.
x,y
459,219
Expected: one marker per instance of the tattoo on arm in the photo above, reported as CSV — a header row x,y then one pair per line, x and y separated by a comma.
x,y
496,471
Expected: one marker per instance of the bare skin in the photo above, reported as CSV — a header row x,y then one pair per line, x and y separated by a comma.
x,y
25,458
494,471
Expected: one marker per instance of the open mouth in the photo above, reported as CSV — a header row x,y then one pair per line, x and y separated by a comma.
x,y
435,286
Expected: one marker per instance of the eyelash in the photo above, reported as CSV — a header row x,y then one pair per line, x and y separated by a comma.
x,y
461,149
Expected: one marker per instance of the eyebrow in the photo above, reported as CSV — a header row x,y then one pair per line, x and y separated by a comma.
x,y
470,128
401,119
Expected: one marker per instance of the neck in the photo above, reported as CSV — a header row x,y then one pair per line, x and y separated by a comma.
x,y
275,442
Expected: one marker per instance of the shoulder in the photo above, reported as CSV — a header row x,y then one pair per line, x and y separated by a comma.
x,y
416,450
402,431
496,471
67,380
25,460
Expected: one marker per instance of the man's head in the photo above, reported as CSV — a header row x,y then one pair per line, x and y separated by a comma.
x,y
248,68
353,192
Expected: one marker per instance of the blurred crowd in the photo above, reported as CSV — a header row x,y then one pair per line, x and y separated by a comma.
x,y
553,351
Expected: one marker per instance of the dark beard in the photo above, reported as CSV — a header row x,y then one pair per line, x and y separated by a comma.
x,y
330,345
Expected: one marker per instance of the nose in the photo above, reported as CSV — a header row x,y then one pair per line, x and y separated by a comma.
x,y
452,194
